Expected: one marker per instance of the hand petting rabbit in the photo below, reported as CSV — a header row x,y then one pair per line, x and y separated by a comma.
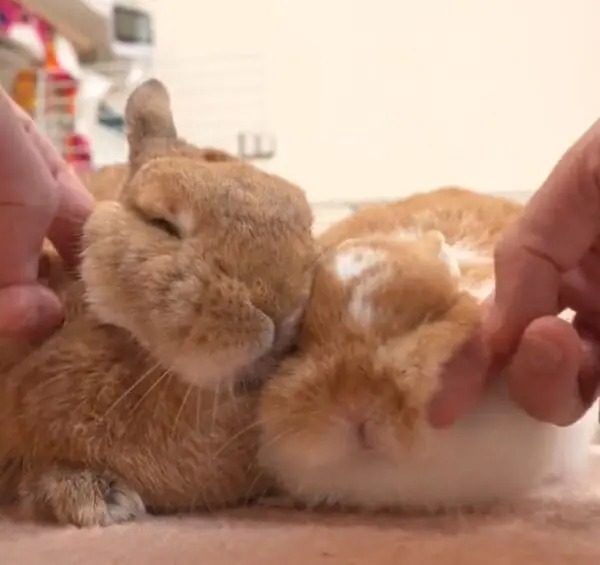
x,y
396,294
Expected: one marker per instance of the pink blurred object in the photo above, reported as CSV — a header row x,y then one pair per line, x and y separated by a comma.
x,y
77,152
10,13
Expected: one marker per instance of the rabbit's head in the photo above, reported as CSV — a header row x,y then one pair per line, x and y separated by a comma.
x,y
339,415
204,259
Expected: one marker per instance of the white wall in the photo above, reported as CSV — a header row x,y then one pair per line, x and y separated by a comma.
x,y
374,99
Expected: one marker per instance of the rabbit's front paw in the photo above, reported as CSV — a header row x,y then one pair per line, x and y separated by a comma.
x,y
80,497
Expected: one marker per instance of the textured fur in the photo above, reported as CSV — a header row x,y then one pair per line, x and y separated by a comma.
x,y
396,294
192,283
105,183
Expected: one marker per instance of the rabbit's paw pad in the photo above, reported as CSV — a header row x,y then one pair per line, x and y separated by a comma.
x,y
123,504
82,498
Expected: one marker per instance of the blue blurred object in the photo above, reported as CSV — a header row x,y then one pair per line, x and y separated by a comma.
x,y
110,119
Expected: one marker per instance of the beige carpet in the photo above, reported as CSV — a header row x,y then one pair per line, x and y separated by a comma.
x,y
550,534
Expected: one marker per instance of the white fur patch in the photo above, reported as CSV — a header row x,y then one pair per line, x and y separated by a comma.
x,y
360,306
479,291
467,257
353,262
495,453
457,256
448,258
409,234
206,369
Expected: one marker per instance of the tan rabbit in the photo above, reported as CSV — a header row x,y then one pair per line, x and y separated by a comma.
x,y
194,280
396,294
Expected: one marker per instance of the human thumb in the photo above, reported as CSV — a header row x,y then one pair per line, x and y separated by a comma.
x,y
28,312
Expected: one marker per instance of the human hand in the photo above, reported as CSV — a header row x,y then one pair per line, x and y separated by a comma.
x,y
547,261
39,197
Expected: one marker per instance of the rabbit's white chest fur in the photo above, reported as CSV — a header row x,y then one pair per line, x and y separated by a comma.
x,y
496,453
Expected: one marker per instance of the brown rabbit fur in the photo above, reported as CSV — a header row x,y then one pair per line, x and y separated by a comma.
x,y
464,217
105,183
192,283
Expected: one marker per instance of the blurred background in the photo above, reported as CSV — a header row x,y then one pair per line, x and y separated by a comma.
x,y
354,100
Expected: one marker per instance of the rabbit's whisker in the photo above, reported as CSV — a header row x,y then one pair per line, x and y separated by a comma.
x,y
215,405
234,437
130,389
155,384
183,403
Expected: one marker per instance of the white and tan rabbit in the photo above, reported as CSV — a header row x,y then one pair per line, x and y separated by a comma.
x,y
396,293
194,280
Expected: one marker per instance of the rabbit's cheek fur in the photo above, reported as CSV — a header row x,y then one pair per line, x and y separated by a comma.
x,y
324,452
232,362
197,322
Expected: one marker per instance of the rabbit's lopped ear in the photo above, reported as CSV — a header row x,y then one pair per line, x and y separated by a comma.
x,y
148,117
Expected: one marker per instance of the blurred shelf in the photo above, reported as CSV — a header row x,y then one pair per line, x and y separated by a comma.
x,y
19,50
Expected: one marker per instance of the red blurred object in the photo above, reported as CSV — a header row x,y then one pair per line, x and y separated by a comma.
x,y
57,85
48,92
77,152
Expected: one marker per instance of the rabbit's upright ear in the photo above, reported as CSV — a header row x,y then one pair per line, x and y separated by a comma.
x,y
148,117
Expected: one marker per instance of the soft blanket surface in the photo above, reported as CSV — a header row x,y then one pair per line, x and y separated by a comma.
x,y
562,532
